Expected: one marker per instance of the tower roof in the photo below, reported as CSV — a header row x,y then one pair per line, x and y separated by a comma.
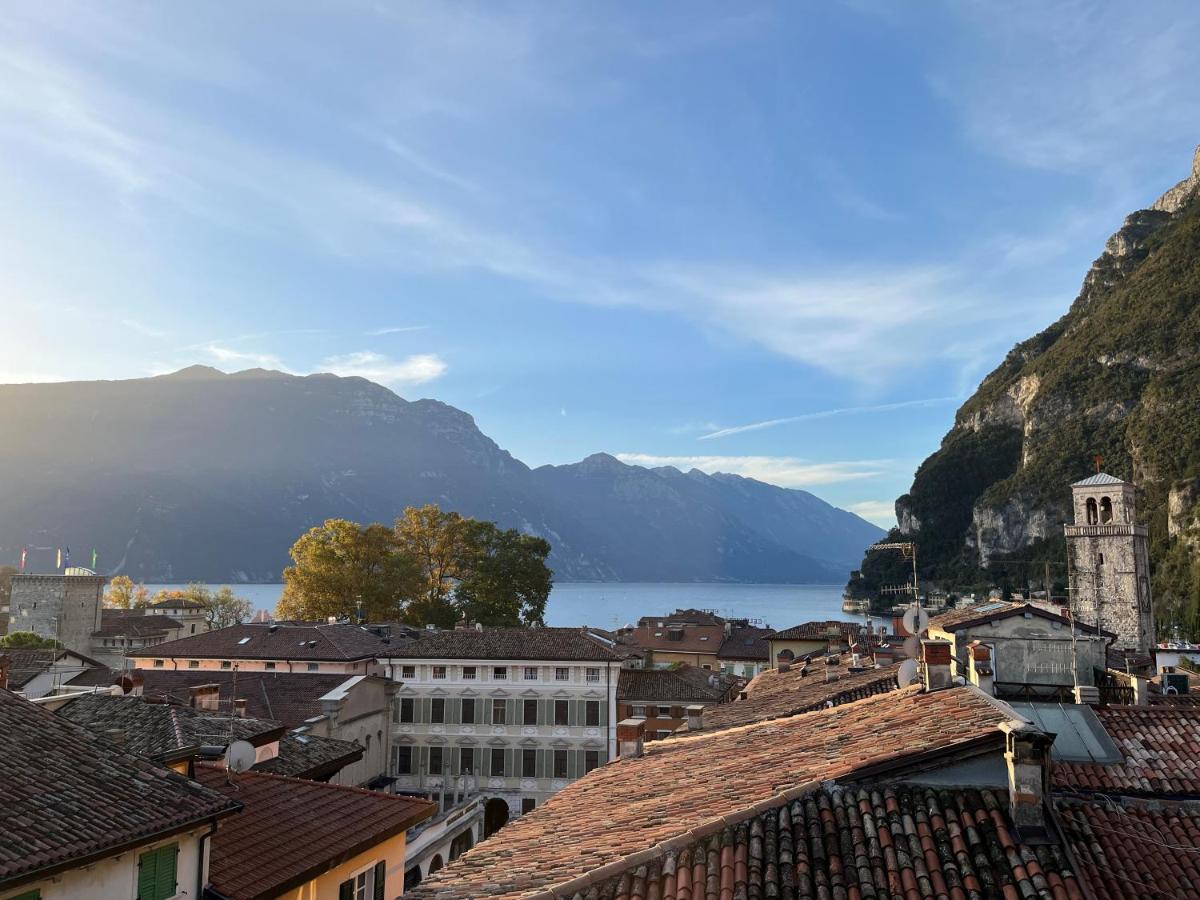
x,y
1098,479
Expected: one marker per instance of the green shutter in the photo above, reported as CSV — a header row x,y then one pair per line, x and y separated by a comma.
x,y
380,876
346,890
146,866
156,873
35,894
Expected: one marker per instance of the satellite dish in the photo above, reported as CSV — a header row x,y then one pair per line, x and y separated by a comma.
x,y
912,647
240,756
907,673
915,617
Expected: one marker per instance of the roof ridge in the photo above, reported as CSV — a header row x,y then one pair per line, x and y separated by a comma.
x,y
308,782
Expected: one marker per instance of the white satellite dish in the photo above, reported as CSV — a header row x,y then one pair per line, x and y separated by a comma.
x,y
912,647
918,617
907,673
240,756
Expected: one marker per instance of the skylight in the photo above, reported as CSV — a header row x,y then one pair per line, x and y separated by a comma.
x,y
244,640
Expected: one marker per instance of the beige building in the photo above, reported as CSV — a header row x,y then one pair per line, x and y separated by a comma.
x,y
813,637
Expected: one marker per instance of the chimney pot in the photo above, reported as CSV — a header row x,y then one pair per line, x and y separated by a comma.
x,y
631,734
783,662
1027,755
695,717
980,666
239,708
936,661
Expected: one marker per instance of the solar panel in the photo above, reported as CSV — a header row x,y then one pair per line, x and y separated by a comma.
x,y
1079,736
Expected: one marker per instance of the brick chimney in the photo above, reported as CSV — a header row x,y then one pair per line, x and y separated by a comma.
x,y
1027,756
979,656
204,696
783,662
239,708
631,735
695,717
5,668
138,683
936,661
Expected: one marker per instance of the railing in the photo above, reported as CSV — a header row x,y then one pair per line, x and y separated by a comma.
x,y
1113,529
1116,694
1034,693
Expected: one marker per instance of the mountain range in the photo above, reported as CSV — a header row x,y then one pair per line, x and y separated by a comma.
x,y
202,475
1118,376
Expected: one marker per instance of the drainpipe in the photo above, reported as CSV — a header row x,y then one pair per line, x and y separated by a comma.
x,y
200,867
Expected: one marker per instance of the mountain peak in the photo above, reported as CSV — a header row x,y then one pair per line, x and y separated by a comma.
x,y
194,372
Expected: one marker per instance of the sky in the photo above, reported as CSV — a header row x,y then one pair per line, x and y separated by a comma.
x,y
782,240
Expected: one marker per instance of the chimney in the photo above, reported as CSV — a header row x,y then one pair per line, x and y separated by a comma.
x,y
1141,690
138,681
980,666
935,665
204,696
783,662
239,708
695,717
1087,694
1027,755
5,668
631,734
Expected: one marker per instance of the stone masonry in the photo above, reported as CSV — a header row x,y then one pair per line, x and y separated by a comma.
x,y
66,607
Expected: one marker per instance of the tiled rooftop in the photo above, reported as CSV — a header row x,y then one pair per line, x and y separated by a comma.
x,y
747,643
25,665
283,640
682,685
1161,746
506,643
691,638
290,830
773,694
68,795
284,697
133,623
821,631
1128,848
731,776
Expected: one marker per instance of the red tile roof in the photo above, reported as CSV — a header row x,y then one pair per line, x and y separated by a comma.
x,y
774,694
67,795
287,697
1129,848
685,684
134,623
575,644
821,631
281,640
607,822
692,638
291,830
747,644
1161,746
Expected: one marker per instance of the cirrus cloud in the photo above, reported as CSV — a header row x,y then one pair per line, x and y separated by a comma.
x,y
784,471
417,369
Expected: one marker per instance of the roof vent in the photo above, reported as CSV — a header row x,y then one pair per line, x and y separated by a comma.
x,y
272,628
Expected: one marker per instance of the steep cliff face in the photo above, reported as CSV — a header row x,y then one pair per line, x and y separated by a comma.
x,y
1118,375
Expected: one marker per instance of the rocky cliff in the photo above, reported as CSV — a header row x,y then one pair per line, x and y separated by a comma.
x,y
1118,375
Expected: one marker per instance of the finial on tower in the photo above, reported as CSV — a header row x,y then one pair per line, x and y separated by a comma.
x,y
1099,461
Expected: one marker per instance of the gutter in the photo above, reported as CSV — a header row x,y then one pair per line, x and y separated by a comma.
x,y
200,867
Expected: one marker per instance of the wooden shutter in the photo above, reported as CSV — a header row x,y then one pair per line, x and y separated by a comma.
x,y
346,890
380,876
145,883
164,882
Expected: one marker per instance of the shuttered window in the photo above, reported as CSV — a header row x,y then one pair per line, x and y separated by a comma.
x,y
156,873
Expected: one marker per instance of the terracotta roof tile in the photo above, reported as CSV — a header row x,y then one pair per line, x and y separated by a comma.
x,y
820,631
68,795
292,830
683,684
133,623
747,643
607,822
25,665
285,697
507,643
281,640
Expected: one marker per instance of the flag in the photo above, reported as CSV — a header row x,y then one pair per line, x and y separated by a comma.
x,y
58,561
24,557
93,559
67,557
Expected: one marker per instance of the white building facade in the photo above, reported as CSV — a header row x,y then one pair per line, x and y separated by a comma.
x,y
511,714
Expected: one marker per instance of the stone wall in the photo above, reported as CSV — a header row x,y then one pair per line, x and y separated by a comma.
x,y
66,607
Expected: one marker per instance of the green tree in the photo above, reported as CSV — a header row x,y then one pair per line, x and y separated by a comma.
x,y
123,593
506,580
26,640
341,562
222,606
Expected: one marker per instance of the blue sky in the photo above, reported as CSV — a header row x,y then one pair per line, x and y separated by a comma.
x,y
784,240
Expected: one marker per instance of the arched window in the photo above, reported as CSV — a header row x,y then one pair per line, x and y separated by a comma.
x,y
1105,510
1091,511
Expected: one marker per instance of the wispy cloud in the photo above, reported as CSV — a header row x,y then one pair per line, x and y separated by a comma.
x,y
398,329
418,369
881,512
824,414
227,356
784,471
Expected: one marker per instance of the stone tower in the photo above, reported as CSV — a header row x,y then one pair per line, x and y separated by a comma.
x,y
66,607
1110,562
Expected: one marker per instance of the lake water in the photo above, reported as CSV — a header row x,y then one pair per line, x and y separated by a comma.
x,y
608,604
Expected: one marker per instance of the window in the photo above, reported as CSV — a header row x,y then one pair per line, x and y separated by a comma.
x,y
225,664
269,666
528,804
435,760
675,634
592,713
193,628
314,667
158,663
560,763
468,673
663,734
408,671
468,711
365,885
466,761
498,762
193,663
593,675
498,712
591,760
562,673
529,764
639,712
1099,559
407,709
1106,510
439,672
562,712
529,714
706,667
402,760
664,712
437,710
156,873
531,673
500,673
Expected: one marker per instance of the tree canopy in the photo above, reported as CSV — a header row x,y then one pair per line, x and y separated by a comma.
x,y
223,606
430,567
123,593
26,640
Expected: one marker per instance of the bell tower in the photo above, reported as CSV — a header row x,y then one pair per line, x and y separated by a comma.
x,y
1110,562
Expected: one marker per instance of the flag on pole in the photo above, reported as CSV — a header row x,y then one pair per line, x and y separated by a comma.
x,y
58,561
67,557
93,559
24,557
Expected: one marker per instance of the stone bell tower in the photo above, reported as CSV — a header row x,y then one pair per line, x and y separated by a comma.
x,y
1110,562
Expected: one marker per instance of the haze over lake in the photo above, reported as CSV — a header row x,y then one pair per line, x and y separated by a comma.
x,y
607,604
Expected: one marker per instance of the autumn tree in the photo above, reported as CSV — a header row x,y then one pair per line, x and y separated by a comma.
x,y
123,593
440,543
222,606
340,563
